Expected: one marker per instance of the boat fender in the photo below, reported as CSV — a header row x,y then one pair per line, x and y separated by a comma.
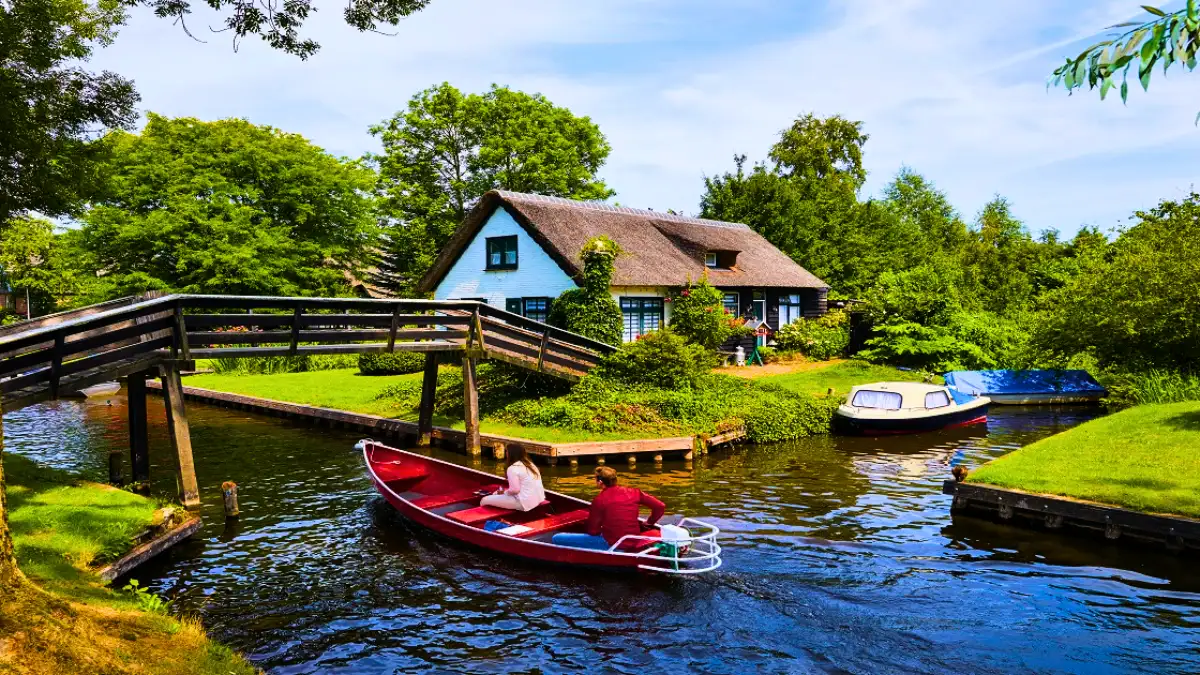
x,y
362,444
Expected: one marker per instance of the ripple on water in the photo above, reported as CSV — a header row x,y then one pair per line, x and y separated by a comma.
x,y
841,557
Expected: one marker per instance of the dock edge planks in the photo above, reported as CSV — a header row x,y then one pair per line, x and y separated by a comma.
x,y
1049,512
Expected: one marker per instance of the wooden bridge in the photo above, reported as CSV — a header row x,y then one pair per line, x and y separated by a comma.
x,y
161,337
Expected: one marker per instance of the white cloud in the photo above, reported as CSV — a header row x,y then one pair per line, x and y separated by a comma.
x,y
954,90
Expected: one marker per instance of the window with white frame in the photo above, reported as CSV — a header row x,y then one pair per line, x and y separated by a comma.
x,y
732,303
790,308
641,315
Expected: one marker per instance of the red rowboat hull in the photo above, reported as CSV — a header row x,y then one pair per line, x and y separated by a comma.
x,y
397,472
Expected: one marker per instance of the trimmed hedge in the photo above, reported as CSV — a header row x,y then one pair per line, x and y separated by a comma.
x,y
394,363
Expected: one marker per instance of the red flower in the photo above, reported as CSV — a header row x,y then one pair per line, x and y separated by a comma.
x,y
685,293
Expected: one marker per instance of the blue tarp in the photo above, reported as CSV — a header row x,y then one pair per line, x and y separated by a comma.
x,y
987,382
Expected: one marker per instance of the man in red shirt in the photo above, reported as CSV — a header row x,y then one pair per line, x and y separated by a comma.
x,y
614,514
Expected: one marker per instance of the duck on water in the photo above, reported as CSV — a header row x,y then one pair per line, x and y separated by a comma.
x,y
906,408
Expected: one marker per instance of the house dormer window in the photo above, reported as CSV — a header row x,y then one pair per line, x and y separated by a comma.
x,y
720,259
502,253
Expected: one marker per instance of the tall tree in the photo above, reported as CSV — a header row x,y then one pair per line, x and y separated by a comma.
x,y
448,148
35,260
914,198
50,105
805,202
228,207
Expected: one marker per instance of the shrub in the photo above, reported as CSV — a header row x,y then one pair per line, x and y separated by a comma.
x,y
821,339
661,358
393,363
591,310
698,315
1154,386
274,365
768,354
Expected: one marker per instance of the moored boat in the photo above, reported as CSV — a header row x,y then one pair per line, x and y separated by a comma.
x,y
907,408
97,390
444,497
1028,387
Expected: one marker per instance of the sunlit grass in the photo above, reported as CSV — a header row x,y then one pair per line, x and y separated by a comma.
x,y
841,376
1145,458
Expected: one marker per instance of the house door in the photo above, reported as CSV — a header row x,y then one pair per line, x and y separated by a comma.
x,y
759,306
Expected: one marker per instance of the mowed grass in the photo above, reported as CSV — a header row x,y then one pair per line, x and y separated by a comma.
x,y
347,390
62,527
840,376
1145,458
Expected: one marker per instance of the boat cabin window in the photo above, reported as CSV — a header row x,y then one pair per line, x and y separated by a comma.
x,y
885,400
936,399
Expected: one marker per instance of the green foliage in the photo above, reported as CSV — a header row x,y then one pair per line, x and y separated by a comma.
x,y
1136,308
1170,39
769,354
661,358
394,363
147,601
716,403
34,259
1151,387
447,149
275,365
820,339
591,310
50,105
278,24
698,315
227,207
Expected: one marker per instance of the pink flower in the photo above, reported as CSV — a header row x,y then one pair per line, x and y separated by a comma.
x,y
685,293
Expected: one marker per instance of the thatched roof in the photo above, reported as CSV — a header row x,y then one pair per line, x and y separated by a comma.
x,y
661,249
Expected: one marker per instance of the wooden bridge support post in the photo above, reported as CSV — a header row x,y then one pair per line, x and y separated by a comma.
x,y
428,391
471,406
181,439
139,431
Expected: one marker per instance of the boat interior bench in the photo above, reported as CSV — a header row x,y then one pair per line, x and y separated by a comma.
x,y
448,498
482,513
557,521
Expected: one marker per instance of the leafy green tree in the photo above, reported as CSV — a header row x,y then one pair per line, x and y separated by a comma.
x,y
50,105
699,316
447,149
1169,39
227,207
590,310
1136,307
915,199
34,259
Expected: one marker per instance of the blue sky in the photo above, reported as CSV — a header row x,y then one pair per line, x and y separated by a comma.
x,y
954,90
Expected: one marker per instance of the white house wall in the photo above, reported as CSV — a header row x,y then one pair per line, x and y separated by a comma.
x,y
536,276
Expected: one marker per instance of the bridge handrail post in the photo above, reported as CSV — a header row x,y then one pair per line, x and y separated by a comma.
x,y
180,348
295,343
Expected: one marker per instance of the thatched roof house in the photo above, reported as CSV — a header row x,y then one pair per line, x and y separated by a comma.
x,y
518,251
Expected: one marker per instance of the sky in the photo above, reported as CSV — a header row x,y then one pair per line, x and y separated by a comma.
x,y
954,90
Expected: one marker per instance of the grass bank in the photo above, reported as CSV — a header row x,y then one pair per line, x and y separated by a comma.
x,y
775,400
1145,458
67,620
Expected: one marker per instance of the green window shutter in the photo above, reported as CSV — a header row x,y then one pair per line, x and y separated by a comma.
x,y
513,305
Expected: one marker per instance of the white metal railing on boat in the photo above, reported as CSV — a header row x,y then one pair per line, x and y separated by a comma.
x,y
694,554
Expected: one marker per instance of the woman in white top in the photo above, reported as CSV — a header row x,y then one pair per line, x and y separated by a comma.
x,y
525,489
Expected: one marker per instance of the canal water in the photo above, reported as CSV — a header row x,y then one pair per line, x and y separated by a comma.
x,y
841,557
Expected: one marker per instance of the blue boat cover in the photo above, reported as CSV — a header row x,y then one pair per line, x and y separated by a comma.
x,y
986,382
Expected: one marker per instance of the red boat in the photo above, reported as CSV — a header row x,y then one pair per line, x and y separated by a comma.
x,y
444,497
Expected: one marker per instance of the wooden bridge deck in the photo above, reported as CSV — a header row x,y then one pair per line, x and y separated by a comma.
x,y
46,358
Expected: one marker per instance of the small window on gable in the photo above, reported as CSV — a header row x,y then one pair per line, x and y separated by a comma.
x,y
720,259
502,253
710,259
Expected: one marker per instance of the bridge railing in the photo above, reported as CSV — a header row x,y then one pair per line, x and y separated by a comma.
x,y
45,361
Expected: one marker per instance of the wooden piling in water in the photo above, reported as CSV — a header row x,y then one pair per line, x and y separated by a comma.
x,y
139,429
428,391
471,406
181,439
229,492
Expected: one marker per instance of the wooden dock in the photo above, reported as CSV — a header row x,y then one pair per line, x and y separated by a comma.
x,y
143,552
408,432
1057,513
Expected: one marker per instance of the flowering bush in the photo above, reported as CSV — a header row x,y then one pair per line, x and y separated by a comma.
x,y
822,338
698,315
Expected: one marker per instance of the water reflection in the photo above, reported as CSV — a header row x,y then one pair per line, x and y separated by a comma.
x,y
841,557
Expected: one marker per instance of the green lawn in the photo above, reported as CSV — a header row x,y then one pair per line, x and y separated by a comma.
x,y
841,376
347,390
62,527
1145,458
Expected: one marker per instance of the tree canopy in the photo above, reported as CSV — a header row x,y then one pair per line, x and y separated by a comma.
x,y
1169,38
226,207
50,104
447,149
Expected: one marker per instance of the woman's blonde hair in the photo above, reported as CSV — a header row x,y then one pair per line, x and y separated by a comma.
x,y
517,454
